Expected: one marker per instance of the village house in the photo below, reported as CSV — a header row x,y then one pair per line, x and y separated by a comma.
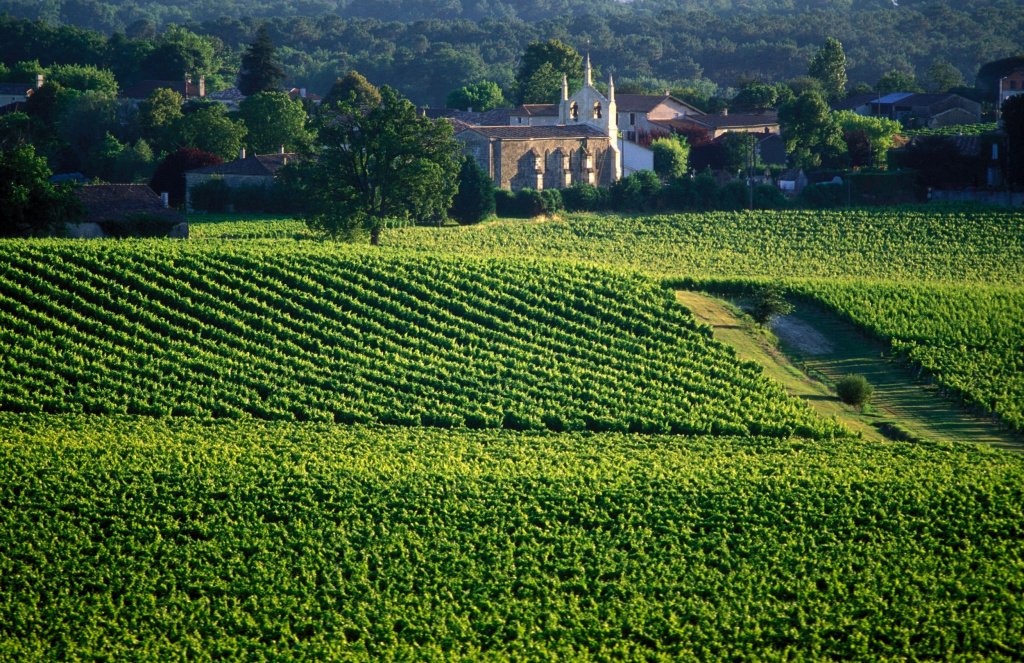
x,y
245,171
125,210
18,93
185,87
915,110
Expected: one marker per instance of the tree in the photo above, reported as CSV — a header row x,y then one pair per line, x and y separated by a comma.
x,y
381,165
939,163
670,156
208,128
868,139
170,174
29,204
829,66
811,133
854,390
754,98
942,77
897,80
274,119
159,114
180,53
260,71
768,302
482,96
739,151
557,59
84,78
1013,124
474,201
353,89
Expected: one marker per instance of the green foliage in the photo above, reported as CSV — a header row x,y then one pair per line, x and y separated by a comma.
x,y
355,90
474,200
169,176
942,77
979,129
854,390
158,117
260,70
876,135
385,165
812,135
636,192
311,331
539,77
768,302
1013,124
670,156
274,120
214,195
829,66
482,96
583,197
29,204
208,128
84,78
897,80
938,163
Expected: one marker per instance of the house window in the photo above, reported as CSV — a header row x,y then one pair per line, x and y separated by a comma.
x,y
597,110
995,151
632,119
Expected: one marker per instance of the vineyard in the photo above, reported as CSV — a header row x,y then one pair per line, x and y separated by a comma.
x,y
313,333
157,539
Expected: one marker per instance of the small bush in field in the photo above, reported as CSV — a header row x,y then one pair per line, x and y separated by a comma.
x,y
854,390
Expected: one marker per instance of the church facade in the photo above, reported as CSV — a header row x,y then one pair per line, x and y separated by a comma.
x,y
582,145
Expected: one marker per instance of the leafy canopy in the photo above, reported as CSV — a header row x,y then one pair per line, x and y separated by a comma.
x,y
381,165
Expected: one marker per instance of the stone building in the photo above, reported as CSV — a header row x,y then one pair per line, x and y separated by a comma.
x,y
579,145
254,170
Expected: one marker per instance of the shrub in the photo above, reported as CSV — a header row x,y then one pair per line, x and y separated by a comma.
x,y
583,197
250,198
505,202
854,390
211,196
768,302
767,196
733,196
823,196
474,201
636,192
552,201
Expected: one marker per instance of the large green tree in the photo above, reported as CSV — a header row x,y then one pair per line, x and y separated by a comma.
x,y
273,120
540,72
671,155
868,139
260,71
208,128
379,165
829,66
1013,124
159,114
29,204
482,96
812,135
352,89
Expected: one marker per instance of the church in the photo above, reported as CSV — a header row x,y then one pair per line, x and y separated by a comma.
x,y
580,144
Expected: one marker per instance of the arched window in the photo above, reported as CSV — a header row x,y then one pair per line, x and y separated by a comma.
x,y
597,110
574,111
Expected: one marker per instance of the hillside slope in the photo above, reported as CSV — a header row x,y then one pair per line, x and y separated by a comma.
x,y
338,335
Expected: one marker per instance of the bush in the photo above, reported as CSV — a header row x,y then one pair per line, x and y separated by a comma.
x,y
768,302
211,196
636,192
250,198
583,197
733,196
823,196
767,196
552,201
524,204
474,201
679,194
854,390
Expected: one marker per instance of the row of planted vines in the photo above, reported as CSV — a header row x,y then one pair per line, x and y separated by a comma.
x,y
295,332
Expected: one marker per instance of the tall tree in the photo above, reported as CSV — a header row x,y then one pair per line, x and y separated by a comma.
x,y
29,204
671,156
208,128
812,135
868,139
386,164
474,200
260,70
1013,123
897,80
482,96
353,89
273,120
829,66
560,59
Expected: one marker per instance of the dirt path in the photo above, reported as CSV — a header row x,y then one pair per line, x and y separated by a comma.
x,y
824,345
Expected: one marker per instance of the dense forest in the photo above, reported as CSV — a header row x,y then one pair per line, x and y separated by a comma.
x,y
440,45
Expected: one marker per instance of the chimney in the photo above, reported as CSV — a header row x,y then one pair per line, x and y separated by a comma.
x,y
188,82
165,200
282,150
725,112
469,110
40,79
202,86
241,153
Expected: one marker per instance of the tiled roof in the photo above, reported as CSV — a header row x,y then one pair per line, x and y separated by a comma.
x,y
114,202
737,121
538,110
529,133
259,165
230,94
490,118
855,101
16,88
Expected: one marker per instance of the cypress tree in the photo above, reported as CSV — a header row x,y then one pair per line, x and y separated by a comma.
x,y
260,70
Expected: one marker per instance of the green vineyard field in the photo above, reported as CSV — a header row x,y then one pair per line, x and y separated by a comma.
x,y
315,333
155,539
